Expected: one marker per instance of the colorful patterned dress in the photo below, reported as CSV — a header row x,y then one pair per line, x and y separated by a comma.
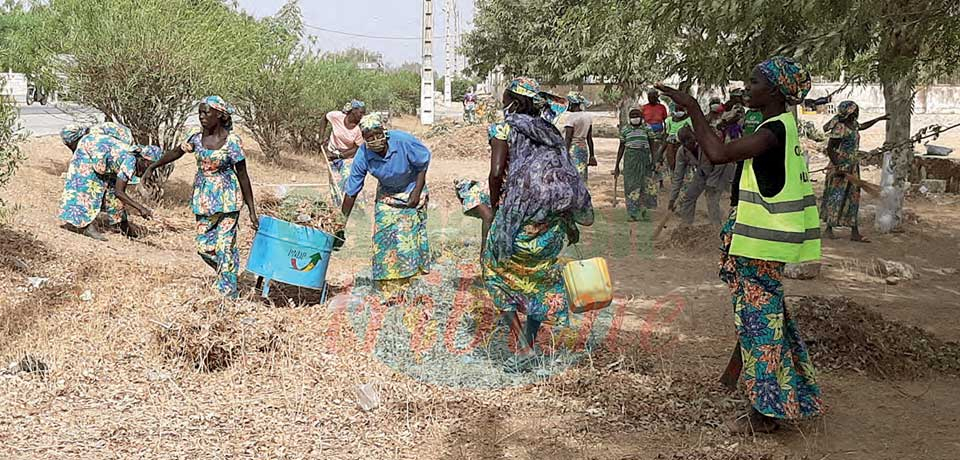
x,y
400,246
472,194
104,155
217,200
840,204
639,185
778,374
528,279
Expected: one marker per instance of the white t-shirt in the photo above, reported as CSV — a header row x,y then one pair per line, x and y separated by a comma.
x,y
581,123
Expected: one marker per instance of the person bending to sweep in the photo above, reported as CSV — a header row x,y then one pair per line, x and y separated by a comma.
x,y
776,223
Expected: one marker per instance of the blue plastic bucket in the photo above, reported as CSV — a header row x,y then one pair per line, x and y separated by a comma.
x,y
290,253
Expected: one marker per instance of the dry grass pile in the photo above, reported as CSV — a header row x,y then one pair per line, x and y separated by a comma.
x,y
843,335
305,207
211,334
703,237
457,141
719,453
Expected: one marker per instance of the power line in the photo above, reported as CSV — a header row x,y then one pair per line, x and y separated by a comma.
x,y
351,34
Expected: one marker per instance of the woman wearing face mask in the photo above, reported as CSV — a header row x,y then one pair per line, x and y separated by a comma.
x,y
344,140
776,222
636,152
675,123
221,180
105,160
538,200
399,162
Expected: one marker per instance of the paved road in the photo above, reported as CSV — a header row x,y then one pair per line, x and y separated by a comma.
x,y
47,120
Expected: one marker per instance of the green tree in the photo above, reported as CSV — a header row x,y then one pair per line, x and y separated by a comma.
x,y
143,63
900,44
265,97
10,138
15,20
566,41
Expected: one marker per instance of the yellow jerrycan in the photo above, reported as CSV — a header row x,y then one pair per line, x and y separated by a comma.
x,y
588,284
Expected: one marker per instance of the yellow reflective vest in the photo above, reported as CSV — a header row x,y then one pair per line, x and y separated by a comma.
x,y
782,228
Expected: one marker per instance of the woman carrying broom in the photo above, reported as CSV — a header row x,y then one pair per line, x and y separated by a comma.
x,y
105,160
221,180
840,204
399,162
775,223
538,199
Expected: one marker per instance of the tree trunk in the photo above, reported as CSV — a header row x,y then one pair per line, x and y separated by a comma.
x,y
898,101
628,98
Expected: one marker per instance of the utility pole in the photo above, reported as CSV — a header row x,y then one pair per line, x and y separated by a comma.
x,y
449,50
426,66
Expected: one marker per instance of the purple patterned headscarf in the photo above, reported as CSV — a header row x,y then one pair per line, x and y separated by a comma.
x,y
541,183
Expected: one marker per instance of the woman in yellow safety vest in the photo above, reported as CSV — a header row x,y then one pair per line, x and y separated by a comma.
x,y
776,223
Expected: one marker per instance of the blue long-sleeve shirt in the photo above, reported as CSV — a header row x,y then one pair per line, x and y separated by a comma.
x,y
397,170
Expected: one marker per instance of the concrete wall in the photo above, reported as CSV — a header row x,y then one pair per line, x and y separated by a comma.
x,y
14,87
935,99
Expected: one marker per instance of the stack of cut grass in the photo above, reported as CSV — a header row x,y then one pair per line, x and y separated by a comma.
x,y
211,334
306,207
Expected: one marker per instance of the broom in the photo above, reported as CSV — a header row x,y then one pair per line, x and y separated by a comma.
x,y
871,189
615,196
662,223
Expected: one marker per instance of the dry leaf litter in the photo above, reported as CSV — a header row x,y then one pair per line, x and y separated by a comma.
x,y
845,336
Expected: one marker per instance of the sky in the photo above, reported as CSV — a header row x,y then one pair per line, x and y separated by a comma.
x,y
373,18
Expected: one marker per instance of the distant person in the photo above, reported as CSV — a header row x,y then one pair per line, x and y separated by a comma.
x,y
674,123
470,107
776,223
221,182
708,178
344,141
105,160
636,152
731,123
578,133
655,116
715,116
840,205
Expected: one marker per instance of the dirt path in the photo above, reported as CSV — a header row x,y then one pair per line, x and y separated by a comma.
x,y
110,392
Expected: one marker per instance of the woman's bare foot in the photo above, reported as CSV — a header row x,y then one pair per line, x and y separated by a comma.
x,y
855,236
752,422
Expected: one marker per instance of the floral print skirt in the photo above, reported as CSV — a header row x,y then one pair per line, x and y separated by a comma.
x,y
841,200
778,374
86,194
639,184
580,154
530,281
217,246
400,247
